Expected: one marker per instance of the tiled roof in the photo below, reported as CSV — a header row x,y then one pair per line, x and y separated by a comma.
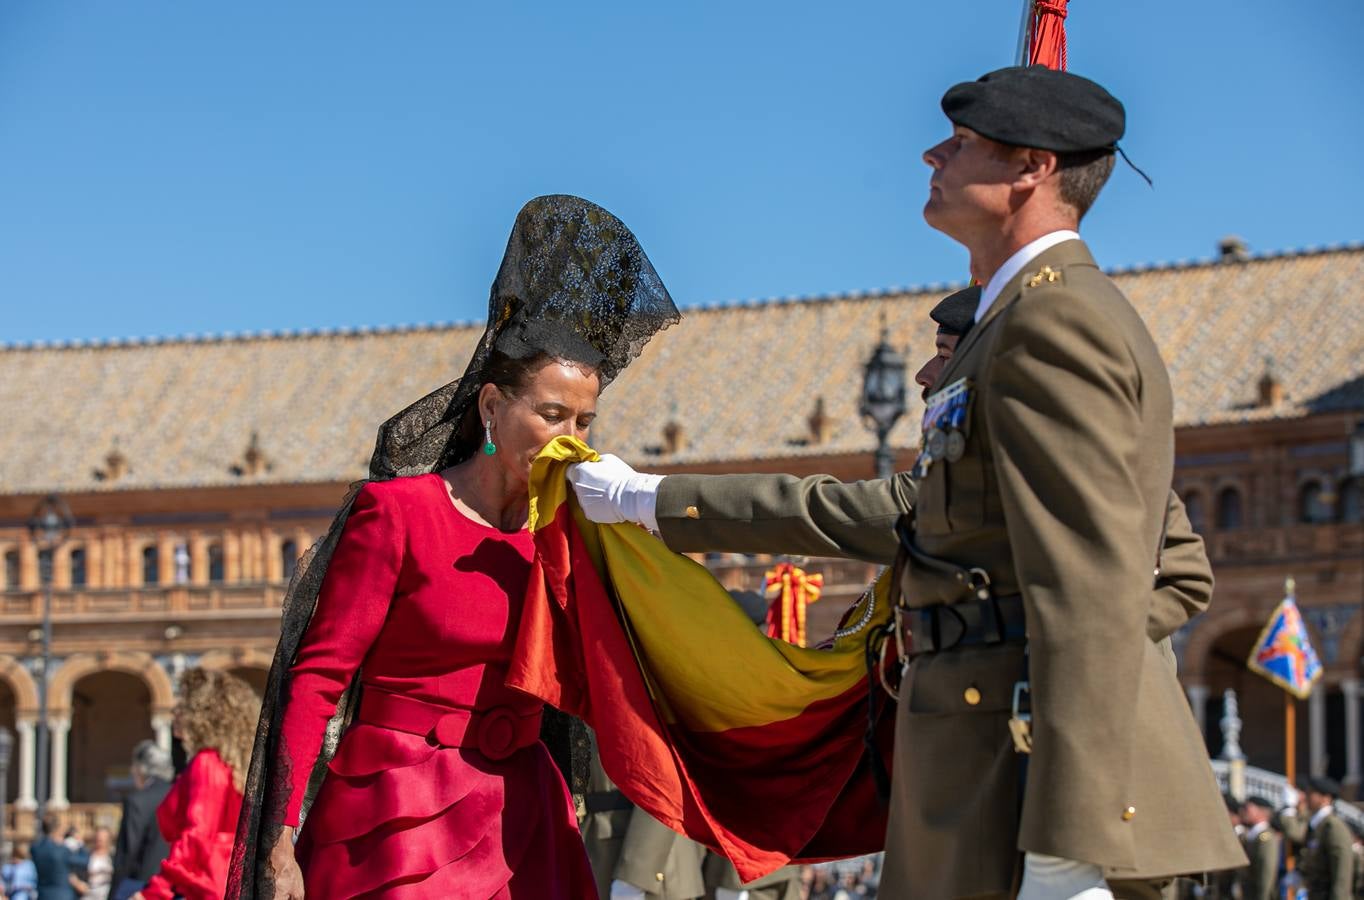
x,y
741,379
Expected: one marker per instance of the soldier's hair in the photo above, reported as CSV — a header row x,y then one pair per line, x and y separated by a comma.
x,y
1261,802
1083,175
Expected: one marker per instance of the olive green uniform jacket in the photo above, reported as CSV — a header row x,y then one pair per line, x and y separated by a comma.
x,y
628,844
1326,856
1260,880
1060,495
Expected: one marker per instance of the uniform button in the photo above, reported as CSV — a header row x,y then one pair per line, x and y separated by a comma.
x,y
971,696
1129,814
693,513
659,876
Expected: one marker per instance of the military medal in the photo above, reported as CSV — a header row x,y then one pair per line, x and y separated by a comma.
x,y
955,446
944,425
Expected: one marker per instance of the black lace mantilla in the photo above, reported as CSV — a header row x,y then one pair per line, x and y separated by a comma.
x,y
575,284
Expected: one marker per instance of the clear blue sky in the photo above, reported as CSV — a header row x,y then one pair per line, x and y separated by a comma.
x,y
170,168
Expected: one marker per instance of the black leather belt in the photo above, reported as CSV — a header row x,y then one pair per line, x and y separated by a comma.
x,y
606,801
972,623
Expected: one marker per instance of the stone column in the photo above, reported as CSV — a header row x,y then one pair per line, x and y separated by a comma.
x,y
1316,718
1350,688
1198,702
161,725
61,727
28,770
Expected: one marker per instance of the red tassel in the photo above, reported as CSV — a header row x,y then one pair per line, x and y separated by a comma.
x,y
1048,45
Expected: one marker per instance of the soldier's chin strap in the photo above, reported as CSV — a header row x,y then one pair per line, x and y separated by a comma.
x,y
1133,165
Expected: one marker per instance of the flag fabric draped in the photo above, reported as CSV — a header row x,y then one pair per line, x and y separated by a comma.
x,y
746,743
789,590
1283,653
1047,33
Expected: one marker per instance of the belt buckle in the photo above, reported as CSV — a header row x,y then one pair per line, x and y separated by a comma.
x,y
497,737
1020,722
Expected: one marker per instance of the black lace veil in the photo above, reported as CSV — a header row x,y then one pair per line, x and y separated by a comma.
x,y
574,284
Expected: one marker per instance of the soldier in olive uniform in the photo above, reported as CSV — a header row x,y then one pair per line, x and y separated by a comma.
x,y
1264,847
1038,504
634,855
1325,854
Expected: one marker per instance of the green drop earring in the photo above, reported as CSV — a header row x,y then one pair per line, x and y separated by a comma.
x,y
489,448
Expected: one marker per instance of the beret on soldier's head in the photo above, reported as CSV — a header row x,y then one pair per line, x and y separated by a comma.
x,y
1260,802
956,313
1033,106
1320,784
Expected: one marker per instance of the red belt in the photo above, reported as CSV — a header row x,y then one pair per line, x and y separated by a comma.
x,y
496,732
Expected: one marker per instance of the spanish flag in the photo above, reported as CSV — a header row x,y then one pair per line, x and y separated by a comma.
x,y
745,743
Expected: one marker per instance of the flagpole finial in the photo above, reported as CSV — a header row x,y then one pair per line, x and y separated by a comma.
x,y
1290,586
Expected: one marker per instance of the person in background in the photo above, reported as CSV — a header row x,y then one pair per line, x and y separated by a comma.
x,y
1325,857
1263,846
216,721
99,870
55,863
140,847
19,875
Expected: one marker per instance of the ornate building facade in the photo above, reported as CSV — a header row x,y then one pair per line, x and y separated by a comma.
x,y
198,471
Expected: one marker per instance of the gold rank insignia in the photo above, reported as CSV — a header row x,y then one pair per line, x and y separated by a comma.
x,y
1046,273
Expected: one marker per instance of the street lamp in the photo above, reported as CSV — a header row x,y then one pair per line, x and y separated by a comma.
x,y
6,749
49,526
883,399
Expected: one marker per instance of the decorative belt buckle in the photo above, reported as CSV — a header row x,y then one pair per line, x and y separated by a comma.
x,y
1020,723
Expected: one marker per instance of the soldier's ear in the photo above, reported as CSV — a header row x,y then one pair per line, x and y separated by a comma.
x,y
1033,167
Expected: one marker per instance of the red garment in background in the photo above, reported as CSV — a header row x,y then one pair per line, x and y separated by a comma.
x,y
198,819
425,603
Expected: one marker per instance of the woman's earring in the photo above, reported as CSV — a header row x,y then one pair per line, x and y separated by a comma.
x,y
489,448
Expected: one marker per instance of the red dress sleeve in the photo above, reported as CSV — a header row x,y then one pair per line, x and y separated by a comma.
x,y
351,606
196,819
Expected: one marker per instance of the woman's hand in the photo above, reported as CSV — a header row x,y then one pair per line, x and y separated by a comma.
x,y
282,869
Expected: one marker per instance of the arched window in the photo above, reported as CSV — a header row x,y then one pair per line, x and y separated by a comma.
x,y
288,558
1193,507
151,565
215,564
1351,506
1314,504
76,564
11,570
1229,514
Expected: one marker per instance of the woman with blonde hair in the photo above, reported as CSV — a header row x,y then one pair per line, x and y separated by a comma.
x,y
216,721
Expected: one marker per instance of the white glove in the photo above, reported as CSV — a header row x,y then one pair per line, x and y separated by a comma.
x,y
620,890
1053,878
1290,798
610,491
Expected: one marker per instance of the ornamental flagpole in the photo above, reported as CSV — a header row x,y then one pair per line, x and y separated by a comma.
x,y
1290,728
1024,33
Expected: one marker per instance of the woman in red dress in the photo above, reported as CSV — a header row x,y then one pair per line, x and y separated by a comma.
x,y
440,785
214,719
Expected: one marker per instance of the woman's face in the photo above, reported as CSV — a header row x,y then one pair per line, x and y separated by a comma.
x,y
559,398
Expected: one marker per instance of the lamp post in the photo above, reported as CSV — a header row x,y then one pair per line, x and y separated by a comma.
x,y
883,399
49,527
6,750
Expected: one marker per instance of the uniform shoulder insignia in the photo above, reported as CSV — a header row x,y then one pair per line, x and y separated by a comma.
x,y
1265,837
1044,275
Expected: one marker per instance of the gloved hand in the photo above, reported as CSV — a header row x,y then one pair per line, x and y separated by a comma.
x,y
621,890
1291,798
1052,878
609,491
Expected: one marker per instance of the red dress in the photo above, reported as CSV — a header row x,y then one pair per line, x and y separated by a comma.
x,y
440,787
198,819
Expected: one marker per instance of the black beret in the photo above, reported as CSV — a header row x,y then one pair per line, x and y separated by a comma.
x,y
956,313
1320,784
1034,106
1261,802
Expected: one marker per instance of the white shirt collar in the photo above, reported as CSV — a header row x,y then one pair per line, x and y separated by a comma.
x,y
1256,829
1319,815
1014,264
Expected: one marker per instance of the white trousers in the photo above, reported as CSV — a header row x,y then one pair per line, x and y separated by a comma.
x,y
1053,878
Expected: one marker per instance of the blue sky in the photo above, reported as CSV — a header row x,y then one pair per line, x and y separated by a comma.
x,y
185,168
